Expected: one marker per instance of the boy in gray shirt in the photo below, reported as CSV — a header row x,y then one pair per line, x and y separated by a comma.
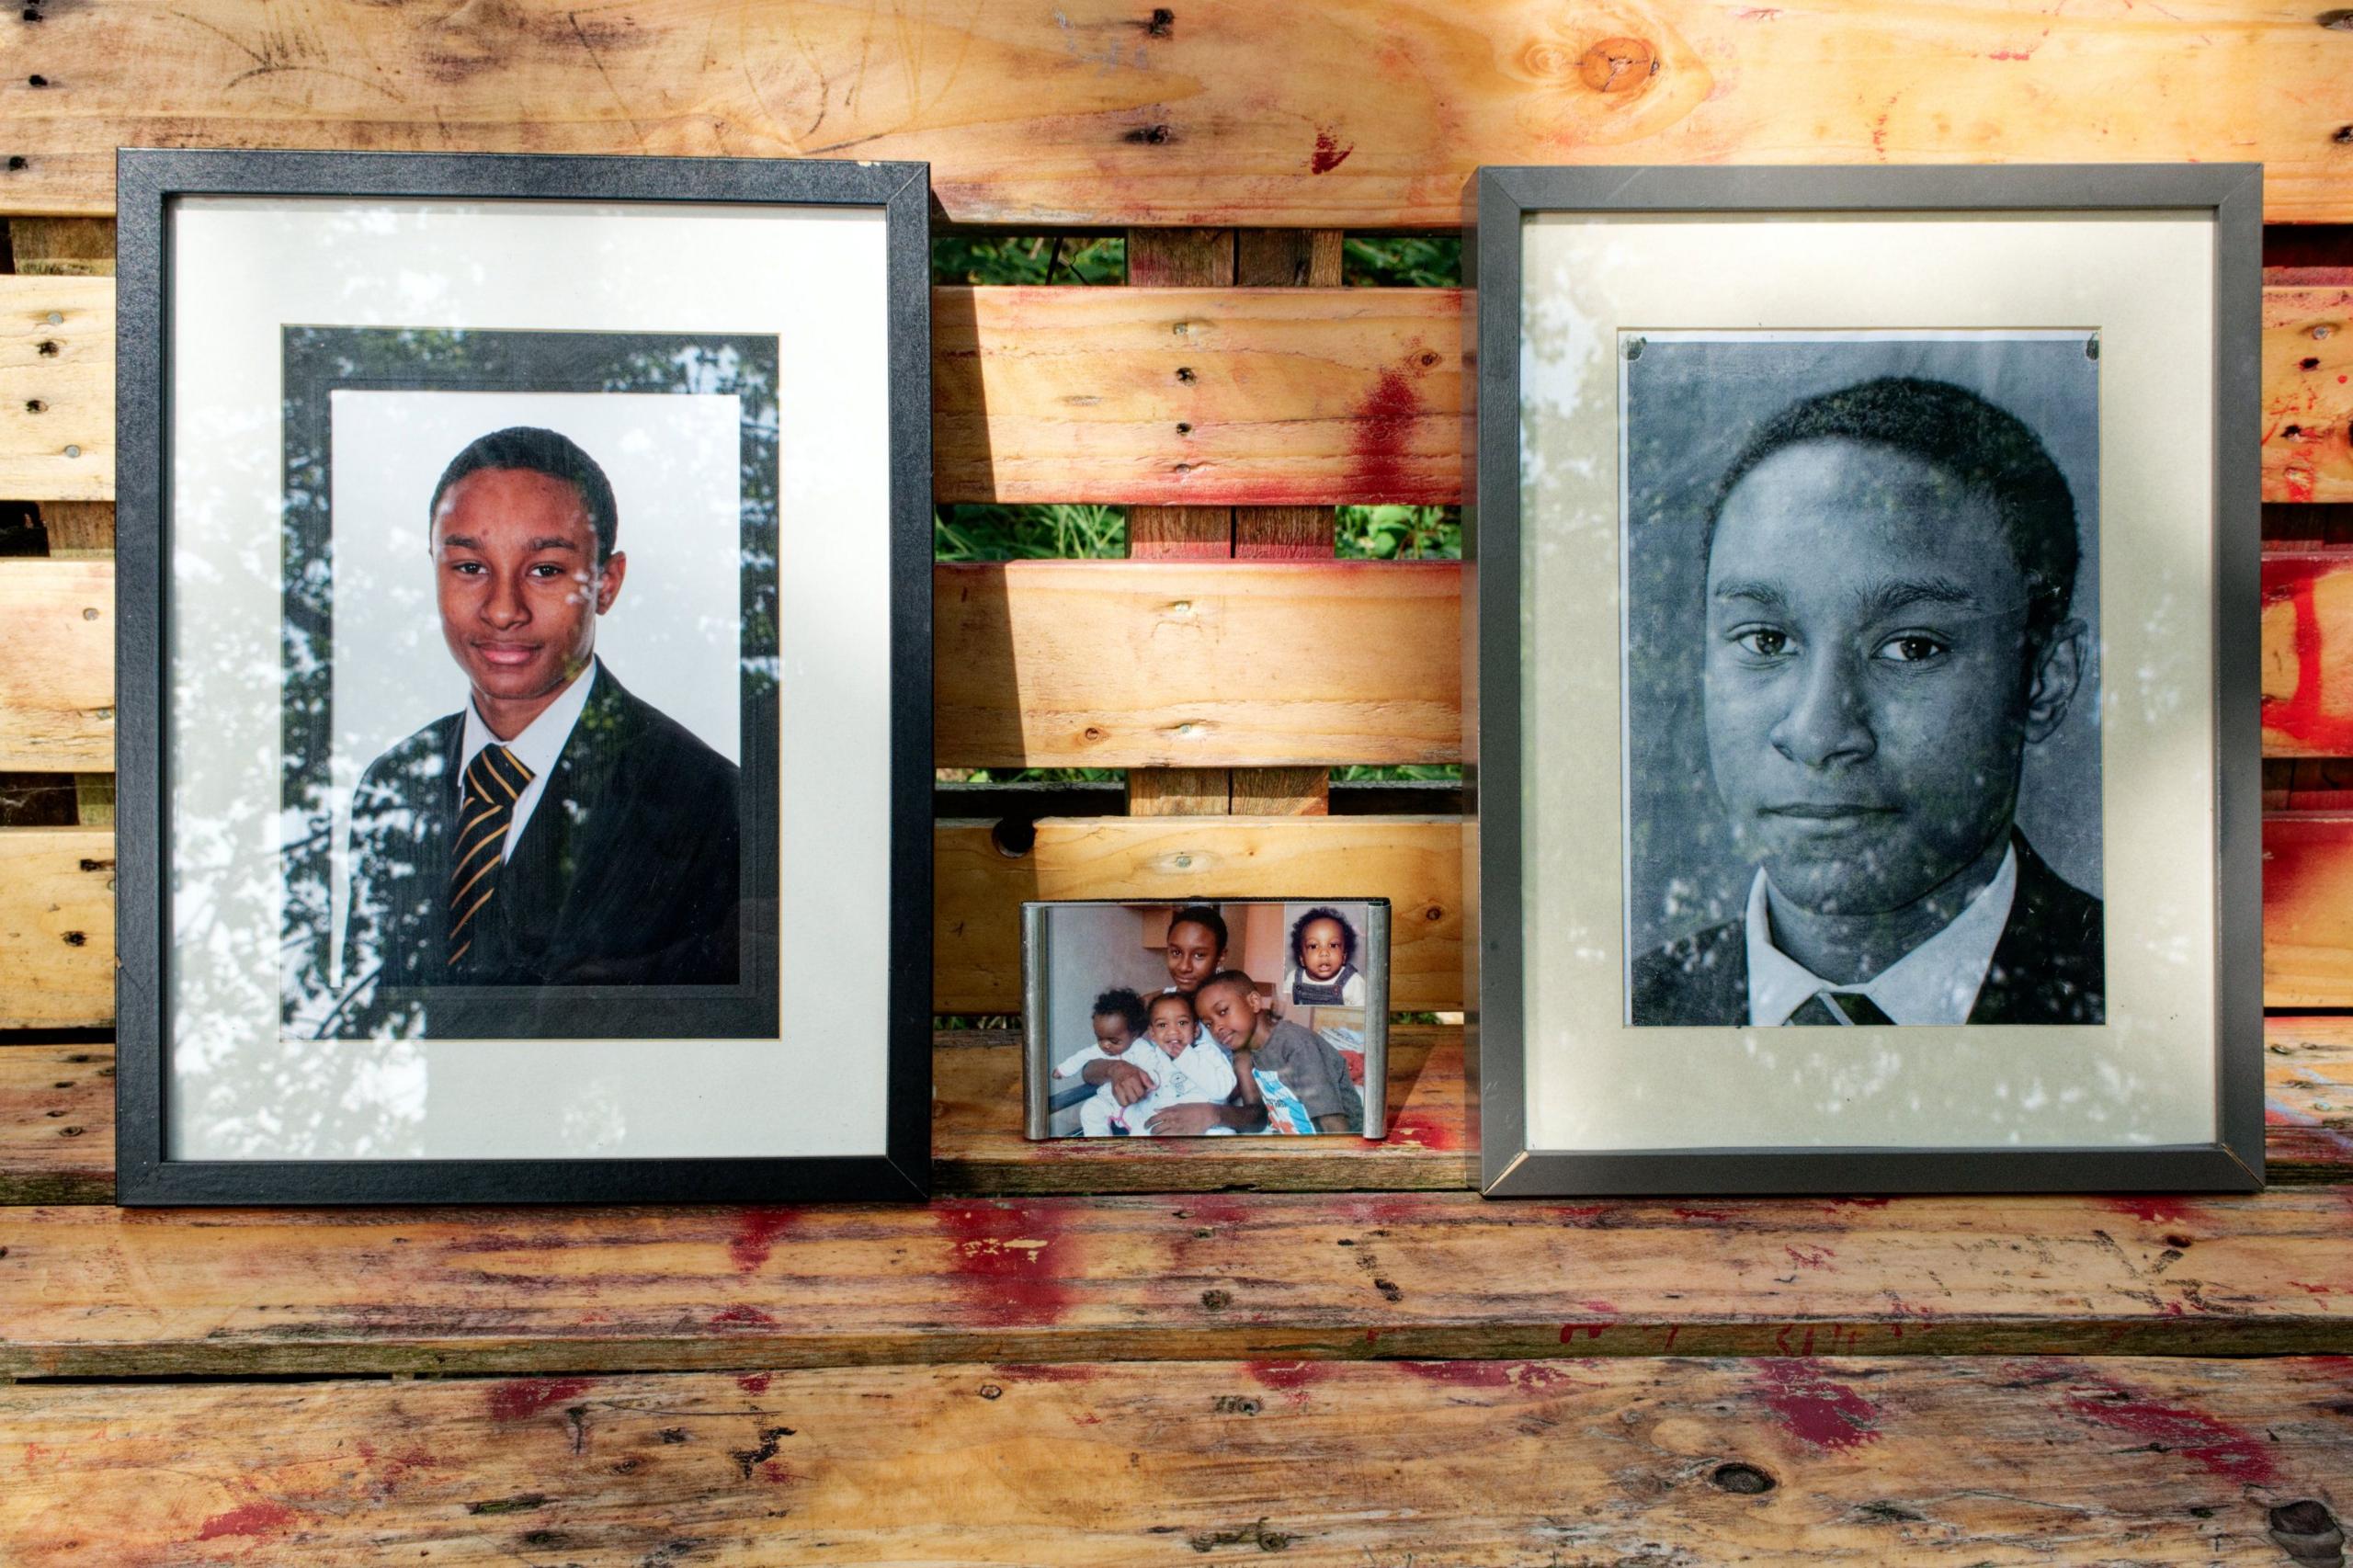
x,y
1298,1078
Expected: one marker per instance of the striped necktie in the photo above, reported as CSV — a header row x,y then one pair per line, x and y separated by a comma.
x,y
494,781
1843,1008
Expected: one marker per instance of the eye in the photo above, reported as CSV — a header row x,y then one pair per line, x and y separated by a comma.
x,y
1912,648
466,568
1762,642
547,569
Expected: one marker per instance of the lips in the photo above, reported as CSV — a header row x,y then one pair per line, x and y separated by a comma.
x,y
507,654
1828,812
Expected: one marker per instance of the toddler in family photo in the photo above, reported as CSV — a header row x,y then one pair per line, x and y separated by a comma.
x,y
1119,1022
1324,971
1183,1069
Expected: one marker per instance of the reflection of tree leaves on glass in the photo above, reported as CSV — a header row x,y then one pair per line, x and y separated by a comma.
x,y
322,997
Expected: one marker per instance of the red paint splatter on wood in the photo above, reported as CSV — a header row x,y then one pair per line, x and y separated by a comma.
x,y
2011,54
1590,1330
741,1317
1809,1257
2154,1210
775,1473
1582,1216
1488,1374
1674,1330
1817,1410
2299,715
1287,1376
1706,1216
753,1383
755,1233
1430,1133
2213,1446
525,1397
1085,1419
1199,1211
1004,1262
1328,154
1035,1374
2314,1289
251,1518
1384,422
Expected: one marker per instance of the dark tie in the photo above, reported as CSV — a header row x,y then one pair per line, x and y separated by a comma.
x,y
493,780
1839,1007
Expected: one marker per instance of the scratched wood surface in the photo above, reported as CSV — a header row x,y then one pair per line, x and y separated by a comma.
x,y
2120,1459
1159,397
56,667
1359,113
87,1290
57,1125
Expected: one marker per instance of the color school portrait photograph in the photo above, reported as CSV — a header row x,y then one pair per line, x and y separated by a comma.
x,y
531,655
1253,1018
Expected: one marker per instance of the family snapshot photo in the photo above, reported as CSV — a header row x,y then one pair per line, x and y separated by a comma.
x,y
1206,1019
1866,742
535,562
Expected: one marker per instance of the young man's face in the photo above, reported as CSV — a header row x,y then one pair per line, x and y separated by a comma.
x,y
1172,1025
1867,684
1111,1032
1232,1013
516,574
1322,949
1193,955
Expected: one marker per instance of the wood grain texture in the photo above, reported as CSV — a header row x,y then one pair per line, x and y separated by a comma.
x,y
56,928
2308,394
1414,862
1102,663
1170,399
57,359
56,667
2308,909
1358,114
1679,1462
2308,653
97,1290
78,530
57,1116
62,247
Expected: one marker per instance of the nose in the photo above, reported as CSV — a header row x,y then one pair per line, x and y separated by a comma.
x,y
503,608
1826,722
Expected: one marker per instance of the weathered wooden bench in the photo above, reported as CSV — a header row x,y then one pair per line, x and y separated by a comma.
x,y
1080,1354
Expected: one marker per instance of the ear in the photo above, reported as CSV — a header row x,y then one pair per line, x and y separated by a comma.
x,y
2057,676
608,581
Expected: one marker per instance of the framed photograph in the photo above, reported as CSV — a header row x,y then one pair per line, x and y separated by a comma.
x,y
1866,657
1215,1018
525,678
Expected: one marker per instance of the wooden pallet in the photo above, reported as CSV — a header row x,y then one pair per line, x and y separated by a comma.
x,y
1332,1352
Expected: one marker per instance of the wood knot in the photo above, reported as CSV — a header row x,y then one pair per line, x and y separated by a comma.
x,y
1618,65
2344,138
1163,23
990,1390
1217,1301
1741,1480
2309,1533
2308,364
1150,136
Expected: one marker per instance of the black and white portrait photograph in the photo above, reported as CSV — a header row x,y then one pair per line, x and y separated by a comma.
x,y
1206,1019
530,590
1862,687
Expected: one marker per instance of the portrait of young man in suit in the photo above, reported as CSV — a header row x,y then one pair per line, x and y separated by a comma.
x,y
1890,568
556,830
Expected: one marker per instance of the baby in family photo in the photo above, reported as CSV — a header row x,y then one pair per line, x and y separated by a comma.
x,y
1324,971
1182,1067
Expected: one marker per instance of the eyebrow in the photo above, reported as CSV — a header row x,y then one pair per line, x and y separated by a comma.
x,y
1755,592
1889,597
552,541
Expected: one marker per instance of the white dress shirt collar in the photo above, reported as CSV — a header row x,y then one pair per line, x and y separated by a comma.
x,y
536,748
1936,983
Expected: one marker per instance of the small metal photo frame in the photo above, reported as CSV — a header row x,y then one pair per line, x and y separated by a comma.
x,y
1865,564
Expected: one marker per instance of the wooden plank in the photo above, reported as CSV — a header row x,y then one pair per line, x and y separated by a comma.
x,y
1100,663
1412,861
1918,1461
56,928
1358,114
56,1123
57,1113
62,247
2308,653
2308,394
47,899
1199,396
56,667
78,530
57,420
90,1291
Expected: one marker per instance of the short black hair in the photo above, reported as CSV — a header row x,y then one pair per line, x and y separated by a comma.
x,y
1120,1002
1171,994
1225,977
534,450
1989,449
1206,917
1299,934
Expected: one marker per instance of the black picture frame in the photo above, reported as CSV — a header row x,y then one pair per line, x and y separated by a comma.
x,y
148,184
1501,201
